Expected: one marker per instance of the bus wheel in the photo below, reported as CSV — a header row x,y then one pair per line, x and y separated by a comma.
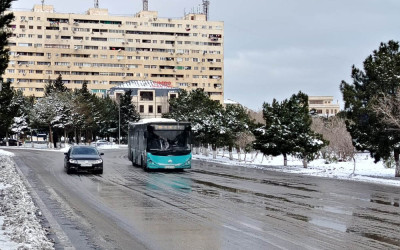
x,y
143,164
132,160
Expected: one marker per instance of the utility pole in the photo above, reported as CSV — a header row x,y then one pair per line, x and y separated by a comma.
x,y
145,5
119,122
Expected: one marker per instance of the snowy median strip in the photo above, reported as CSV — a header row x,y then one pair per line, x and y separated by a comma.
x,y
20,228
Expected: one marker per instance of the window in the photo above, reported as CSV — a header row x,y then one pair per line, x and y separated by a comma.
x,y
48,36
146,95
159,109
150,109
39,27
141,108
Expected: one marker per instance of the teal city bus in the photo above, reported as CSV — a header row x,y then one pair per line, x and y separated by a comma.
x,y
160,143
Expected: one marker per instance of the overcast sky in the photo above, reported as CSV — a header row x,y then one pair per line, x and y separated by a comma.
x,y
274,49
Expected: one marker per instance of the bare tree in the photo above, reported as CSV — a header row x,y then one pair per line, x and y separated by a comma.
x,y
388,107
243,142
334,130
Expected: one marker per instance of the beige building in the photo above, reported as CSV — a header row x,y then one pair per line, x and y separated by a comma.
x,y
107,51
323,105
151,99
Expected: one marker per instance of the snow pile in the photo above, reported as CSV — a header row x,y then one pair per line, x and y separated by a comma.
x,y
20,227
365,169
5,153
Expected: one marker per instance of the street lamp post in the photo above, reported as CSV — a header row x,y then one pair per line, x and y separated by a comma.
x,y
119,122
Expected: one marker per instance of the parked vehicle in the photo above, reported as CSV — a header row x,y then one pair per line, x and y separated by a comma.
x,y
100,143
11,142
83,159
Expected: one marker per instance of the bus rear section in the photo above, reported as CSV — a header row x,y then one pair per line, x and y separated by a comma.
x,y
161,144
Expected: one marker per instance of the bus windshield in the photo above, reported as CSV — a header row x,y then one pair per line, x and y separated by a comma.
x,y
171,141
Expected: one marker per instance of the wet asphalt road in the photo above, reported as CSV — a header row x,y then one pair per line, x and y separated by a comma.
x,y
207,207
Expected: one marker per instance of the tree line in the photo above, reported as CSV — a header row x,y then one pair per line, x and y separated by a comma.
x,y
73,114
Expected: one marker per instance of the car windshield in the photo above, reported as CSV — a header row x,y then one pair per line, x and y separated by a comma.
x,y
84,151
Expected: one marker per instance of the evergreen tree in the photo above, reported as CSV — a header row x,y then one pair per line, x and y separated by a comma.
x,y
127,112
6,94
380,76
22,104
49,87
5,33
44,113
237,121
59,85
7,110
287,130
206,116
84,91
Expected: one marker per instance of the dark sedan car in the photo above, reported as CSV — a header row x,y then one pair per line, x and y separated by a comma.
x,y
83,159
11,142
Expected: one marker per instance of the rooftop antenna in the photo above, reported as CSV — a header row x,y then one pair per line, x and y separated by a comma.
x,y
206,9
146,5
96,4
42,5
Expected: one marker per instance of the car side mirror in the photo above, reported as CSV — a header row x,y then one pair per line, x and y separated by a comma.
x,y
65,153
101,153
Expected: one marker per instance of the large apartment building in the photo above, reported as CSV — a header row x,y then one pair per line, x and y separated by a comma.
x,y
107,50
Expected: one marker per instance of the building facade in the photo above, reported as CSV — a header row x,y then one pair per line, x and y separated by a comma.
x,y
107,51
151,99
323,105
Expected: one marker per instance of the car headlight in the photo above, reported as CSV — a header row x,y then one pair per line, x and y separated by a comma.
x,y
73,161
98,161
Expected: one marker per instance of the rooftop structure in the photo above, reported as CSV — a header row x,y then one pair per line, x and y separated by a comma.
x,y
150,98
323,105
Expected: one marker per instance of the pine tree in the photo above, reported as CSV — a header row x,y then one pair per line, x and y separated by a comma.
x,y
205,115
5,21
380,76
49,87
59,85
21,117
127,112
7,110
287,130
238,122
6,94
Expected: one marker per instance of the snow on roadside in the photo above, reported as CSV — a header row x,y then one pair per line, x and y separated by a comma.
x,y
365,170
20,228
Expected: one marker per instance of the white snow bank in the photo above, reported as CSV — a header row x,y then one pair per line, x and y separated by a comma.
x,y
365,170
5,153
20,227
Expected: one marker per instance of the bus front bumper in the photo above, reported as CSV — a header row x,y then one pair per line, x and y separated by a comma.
x,y
169,162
